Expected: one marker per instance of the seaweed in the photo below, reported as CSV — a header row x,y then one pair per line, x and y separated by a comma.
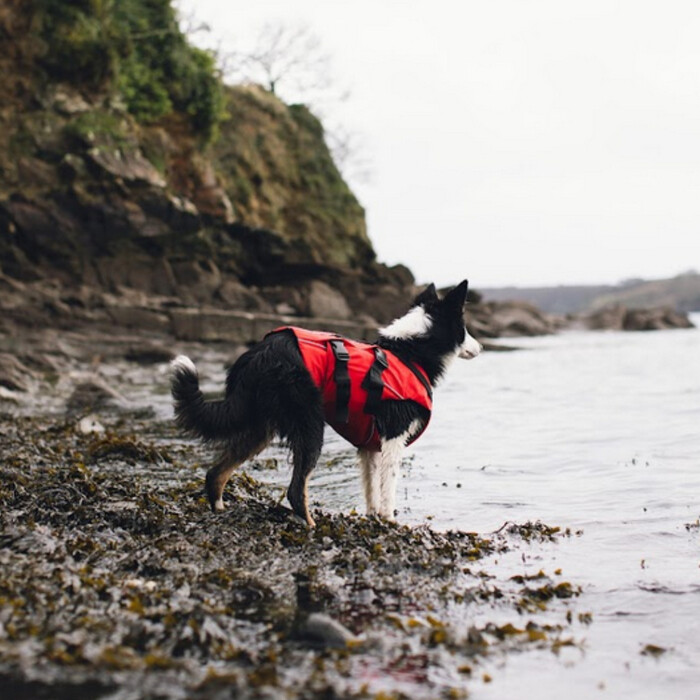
x,y
115,575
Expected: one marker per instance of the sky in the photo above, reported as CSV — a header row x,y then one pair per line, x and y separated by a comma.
x,y
511,142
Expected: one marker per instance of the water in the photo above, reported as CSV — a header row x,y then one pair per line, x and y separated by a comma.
x,y
598,432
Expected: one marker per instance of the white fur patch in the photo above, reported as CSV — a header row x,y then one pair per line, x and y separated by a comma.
x,y
470,348
380,473
415,323
182,363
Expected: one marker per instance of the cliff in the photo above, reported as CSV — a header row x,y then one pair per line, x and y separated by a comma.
x,y
125,166
136,189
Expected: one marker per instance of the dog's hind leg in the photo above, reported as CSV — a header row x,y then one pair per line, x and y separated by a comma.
x,y
306,442
231,458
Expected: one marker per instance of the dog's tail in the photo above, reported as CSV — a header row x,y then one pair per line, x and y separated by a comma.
x,y
209,420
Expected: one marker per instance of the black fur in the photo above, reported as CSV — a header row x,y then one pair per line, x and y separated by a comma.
x,y
209,420
253,396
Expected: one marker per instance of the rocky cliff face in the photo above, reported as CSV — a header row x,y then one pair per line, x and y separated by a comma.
x,y
91,195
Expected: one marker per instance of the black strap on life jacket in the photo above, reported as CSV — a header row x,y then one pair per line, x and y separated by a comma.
x,y
373,383
342,380
420,377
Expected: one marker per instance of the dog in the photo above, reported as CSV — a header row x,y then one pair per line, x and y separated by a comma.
x,y
288,385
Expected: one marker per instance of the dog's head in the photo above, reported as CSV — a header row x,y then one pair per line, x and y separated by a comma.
x,y
437,324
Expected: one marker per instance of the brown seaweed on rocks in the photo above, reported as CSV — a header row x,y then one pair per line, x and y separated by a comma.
x,y
115,576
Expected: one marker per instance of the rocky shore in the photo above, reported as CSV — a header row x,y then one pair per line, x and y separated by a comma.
x,y
117,578
129,233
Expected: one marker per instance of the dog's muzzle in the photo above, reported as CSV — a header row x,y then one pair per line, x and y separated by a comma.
x,y
470,349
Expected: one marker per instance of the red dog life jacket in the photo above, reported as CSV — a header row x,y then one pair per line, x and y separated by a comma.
x,y
354,377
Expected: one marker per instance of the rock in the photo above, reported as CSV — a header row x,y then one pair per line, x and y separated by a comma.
x,y
239,297
13,374
659,318
611,318
90,425
148,353
9,396
209,195
135,272
322,301
497,319
197,281
35,173
330,632
69,102
170,212
130,166
138,317
617,317
285,309
239,327
93,395
287,301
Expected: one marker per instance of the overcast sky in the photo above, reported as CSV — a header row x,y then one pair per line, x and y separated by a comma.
x,y
526,142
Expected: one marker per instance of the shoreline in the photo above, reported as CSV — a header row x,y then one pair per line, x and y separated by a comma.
x,y
117,576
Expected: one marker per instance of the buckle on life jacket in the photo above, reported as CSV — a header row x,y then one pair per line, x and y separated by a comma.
x,y
341,377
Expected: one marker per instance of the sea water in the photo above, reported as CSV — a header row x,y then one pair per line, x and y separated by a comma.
x,y
598,432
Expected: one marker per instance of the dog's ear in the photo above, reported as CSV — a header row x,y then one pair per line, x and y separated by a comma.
x,y
457,296
426,296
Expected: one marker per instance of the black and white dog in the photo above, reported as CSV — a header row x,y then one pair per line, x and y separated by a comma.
x,y
273,390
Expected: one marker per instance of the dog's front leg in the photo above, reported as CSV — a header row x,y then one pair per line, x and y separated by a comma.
x,y
380,473
389,465
369,466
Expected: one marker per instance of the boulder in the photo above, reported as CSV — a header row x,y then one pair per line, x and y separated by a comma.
x,y
197,281
658,318
618,317
497,319
239,297
13,374
93,395
611,318
322,301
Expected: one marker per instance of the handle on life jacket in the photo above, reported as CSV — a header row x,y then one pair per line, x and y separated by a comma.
x,y
373,383
342,380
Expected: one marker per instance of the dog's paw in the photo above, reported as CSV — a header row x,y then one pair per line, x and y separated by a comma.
x,y
218,506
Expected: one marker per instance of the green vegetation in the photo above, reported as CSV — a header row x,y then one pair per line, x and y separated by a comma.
x,y
136,48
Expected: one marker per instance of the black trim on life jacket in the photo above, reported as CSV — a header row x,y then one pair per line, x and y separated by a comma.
x,y
373,383
341,377
420,377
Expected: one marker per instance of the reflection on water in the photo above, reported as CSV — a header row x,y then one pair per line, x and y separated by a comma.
x,y
598,432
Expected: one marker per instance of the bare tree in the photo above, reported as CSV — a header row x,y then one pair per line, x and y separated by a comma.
x,y
288,54
290,61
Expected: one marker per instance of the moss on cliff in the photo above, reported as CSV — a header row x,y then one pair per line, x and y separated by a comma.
x,y
133,47
280,175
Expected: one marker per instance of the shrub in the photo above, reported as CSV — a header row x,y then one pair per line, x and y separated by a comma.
x,y
135,47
